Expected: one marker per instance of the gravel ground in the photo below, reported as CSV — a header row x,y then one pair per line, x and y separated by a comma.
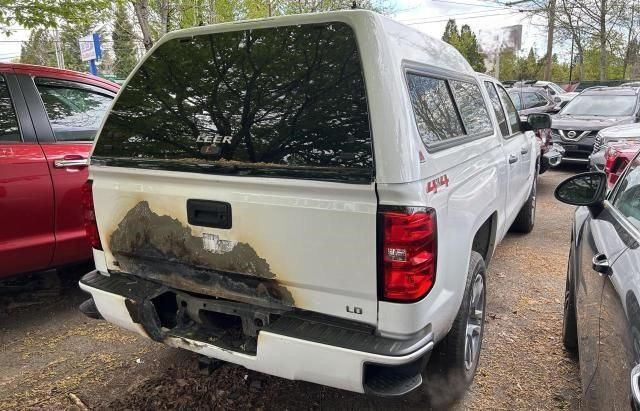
x,y
48,350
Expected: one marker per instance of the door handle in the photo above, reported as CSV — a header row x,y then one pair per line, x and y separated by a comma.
x,y
80,162
600,264
512,159
524,150
635,388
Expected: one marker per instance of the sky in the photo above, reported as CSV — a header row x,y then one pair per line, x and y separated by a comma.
x,y
429,16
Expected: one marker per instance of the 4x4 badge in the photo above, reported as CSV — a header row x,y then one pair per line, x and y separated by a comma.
x,y
433,185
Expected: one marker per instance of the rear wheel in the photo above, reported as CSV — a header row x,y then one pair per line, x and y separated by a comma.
x,y
454,361
526,218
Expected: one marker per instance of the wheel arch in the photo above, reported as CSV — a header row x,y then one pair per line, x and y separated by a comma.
x,y
484,239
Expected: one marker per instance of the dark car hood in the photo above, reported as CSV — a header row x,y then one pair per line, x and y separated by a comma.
x,y
570,122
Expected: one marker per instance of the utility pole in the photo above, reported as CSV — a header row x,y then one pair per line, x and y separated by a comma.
x,y
550,28
58,47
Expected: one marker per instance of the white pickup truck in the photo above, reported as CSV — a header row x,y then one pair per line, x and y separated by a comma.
x,y
313,197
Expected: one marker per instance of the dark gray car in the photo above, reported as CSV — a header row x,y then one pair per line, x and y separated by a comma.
x,y
575,127
601,304
531,100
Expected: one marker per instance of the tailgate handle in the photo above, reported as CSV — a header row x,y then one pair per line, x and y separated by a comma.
x,y
205,213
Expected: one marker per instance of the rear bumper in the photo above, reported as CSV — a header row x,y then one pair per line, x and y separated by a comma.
x,y
331,357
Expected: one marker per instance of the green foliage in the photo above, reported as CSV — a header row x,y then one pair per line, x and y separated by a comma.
x,y
451,32
124,46
49,13
466,43
39,50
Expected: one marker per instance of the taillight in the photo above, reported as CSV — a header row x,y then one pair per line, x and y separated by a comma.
x,y
409,252
614,165
89,216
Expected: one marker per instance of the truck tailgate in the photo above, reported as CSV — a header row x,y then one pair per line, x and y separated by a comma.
x,y
291,243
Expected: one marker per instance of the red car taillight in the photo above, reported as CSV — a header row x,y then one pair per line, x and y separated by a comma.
x,y
614,165
89,216
409,252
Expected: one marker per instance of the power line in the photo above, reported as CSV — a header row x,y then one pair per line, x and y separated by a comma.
x,y
448,17
494,5
453,15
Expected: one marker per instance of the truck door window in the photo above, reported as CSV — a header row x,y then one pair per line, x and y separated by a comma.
x,y
497,108
434,109
9,130
512,113
473,109
74,113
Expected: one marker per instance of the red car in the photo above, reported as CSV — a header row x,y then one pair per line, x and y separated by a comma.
x,y
48,121
616,158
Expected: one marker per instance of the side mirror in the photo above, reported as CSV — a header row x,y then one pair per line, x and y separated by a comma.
x,y
537,121
552,92
586,189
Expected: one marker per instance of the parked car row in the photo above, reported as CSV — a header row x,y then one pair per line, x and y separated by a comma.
x,y
299,215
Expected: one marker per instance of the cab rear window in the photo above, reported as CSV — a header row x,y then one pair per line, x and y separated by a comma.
x,y
279,102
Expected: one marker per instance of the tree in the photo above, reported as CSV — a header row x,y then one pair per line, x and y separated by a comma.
x,y
39,49
155,17
124,46
451,32
466,43
470,49
596,21
49,14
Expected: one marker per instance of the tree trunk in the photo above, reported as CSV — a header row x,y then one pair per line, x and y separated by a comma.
x,y
551,26
581,54
141,8
164,16
627,55
603,41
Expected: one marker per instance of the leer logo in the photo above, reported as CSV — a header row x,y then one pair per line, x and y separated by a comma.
x,y
214,140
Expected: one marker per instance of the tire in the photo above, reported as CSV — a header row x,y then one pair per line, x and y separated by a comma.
x,y
454,361
526,218
569,324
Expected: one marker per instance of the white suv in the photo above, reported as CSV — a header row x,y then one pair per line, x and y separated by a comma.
x,y
314,197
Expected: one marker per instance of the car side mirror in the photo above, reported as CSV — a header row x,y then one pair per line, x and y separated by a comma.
x,y
552,92
586,189
537,121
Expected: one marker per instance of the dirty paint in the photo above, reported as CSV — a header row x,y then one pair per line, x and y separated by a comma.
x,y
162,249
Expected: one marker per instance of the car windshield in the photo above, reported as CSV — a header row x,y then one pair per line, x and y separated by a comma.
x,y
556,88
601,105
